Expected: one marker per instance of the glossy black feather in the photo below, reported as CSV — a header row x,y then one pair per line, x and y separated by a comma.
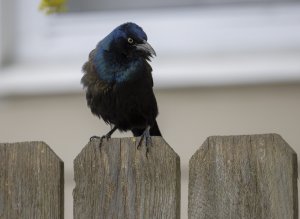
x,y
119,84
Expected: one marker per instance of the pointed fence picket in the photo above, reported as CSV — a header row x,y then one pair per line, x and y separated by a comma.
x,y
249,176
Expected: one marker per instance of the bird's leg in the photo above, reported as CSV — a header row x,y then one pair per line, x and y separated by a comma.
x,y
147,137
107,136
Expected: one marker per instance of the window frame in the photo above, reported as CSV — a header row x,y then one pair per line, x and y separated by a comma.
x,y
277,20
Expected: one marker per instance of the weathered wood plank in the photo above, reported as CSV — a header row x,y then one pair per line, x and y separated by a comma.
x,y
31,182
119,181
238,177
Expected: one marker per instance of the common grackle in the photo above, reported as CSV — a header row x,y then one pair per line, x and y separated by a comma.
x,y
118,82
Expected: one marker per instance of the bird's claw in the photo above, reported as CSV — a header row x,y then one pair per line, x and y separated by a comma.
x,y
107,137
94,137
148,141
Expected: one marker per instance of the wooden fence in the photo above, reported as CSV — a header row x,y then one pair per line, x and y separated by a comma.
x,y
248,177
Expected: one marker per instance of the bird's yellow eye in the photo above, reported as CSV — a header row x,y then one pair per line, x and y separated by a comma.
x,y
130,40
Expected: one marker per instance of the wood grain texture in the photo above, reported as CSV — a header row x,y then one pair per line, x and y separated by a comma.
x,y
238,177
31,182
119,181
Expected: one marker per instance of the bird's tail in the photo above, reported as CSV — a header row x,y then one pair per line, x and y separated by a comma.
x,y
154,130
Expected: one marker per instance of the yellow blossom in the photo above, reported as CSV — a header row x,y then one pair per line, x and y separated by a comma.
x,y
53,6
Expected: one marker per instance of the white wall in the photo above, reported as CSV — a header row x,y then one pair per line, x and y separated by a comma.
x,y
187,117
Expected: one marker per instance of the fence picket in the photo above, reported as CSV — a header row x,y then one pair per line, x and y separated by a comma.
x,y
31,182
246,177
119,181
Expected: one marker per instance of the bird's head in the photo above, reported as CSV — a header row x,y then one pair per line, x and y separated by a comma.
x,y
128,40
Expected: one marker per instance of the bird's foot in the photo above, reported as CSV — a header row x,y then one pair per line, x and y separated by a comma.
x,y
148,140
107,136
94,137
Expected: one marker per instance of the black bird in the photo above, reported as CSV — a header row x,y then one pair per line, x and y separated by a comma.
x,y
119,84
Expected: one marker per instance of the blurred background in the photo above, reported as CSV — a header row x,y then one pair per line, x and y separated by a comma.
x,y
224,67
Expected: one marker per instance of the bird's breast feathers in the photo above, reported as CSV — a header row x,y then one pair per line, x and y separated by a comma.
x,y
113,72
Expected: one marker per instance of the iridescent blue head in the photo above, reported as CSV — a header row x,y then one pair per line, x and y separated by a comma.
x,y
122,54
128,41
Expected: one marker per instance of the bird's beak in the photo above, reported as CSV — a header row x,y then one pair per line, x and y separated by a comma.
x,y
146,47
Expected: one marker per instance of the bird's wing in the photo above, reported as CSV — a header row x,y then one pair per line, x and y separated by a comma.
x,y
90,79
96,88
